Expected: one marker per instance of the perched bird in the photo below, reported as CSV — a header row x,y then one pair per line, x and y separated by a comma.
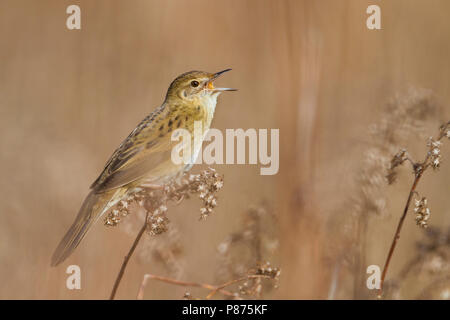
x,y
144,157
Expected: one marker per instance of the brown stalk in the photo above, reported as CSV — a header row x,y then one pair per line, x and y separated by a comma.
x,y
140,294
419,168
213,289
399,228
229,283
127,258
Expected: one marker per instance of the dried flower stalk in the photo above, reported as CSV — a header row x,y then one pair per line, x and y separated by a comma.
x,y
432,160
404,116
264,272
155,201
238,255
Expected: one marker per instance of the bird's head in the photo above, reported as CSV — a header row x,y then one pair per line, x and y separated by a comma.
x,y
196,85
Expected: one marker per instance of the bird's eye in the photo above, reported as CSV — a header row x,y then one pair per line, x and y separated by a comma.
x,y
195,83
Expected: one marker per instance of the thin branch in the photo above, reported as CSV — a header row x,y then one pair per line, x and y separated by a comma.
x,y
155,199
213,289
127,258
419,168
229,283
399,228
147,277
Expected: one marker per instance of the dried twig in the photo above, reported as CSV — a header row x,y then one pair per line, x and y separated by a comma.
x,y
147,277
432,160
212,288
404,116
127,258
397,232
254,236
231,282
155,201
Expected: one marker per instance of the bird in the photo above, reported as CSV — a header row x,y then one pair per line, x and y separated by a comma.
x,y
144,157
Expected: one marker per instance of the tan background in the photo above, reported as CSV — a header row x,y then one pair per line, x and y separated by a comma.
x,y
310,68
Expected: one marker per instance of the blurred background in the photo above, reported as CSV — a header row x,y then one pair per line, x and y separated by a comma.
x,y
310,68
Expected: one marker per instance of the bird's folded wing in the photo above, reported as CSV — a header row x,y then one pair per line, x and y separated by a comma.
x,y
136,157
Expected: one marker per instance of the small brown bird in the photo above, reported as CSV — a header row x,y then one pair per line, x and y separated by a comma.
x,y
144,157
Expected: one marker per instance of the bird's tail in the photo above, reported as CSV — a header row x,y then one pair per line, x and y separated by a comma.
x,y
92,209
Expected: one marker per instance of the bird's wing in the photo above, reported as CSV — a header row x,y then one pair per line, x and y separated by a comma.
x,y
146,148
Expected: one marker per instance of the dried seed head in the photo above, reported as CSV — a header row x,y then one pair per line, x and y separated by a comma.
x,y
434,153
187,296
267,270
396,161
422,212
205,184
157,224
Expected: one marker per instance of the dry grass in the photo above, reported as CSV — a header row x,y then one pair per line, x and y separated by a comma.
x,y
403,120
432,160
241,253
155,204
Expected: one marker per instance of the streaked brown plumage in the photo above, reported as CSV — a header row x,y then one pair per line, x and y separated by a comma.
x,y
144,157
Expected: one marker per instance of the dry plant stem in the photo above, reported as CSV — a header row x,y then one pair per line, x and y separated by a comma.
x,y
419,168
212,288
140,294
229,283
418,175
127,258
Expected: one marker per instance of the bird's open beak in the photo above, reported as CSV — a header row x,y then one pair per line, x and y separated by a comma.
x,y
214,77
